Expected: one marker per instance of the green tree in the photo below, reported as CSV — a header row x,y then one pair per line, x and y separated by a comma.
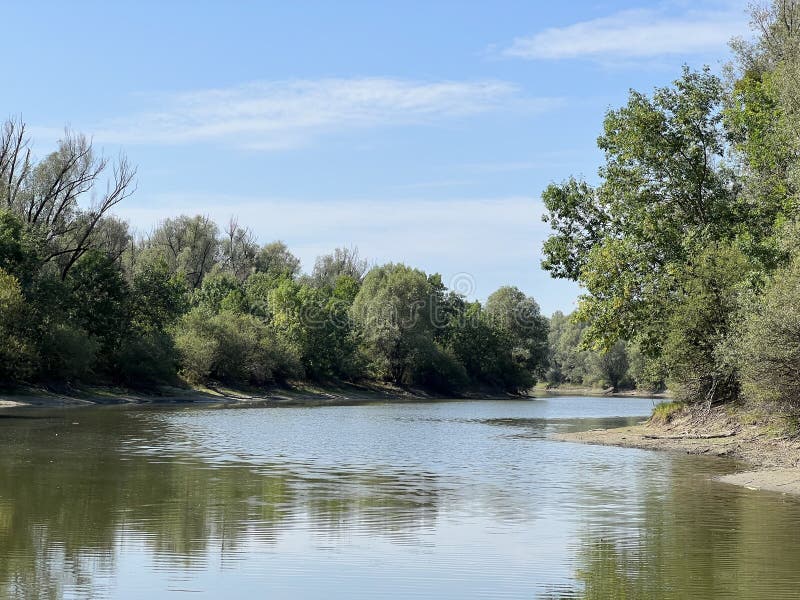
x,y
569,360
486,351
316,323
220,290
276,260
647,373
158,297
612,366
189,245
146,355
519,317
393,310
18,357
696,349
767,350
99,299
342,261
18,254
666,195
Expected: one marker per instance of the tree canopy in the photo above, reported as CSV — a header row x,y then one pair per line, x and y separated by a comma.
x,y
694,214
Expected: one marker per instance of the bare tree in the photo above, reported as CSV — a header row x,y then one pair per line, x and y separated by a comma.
x,y
48,195
190,245
239,250
342,261
15,160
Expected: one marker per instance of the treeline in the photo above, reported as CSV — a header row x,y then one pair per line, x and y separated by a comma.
x,y
81,300
688,249
572,362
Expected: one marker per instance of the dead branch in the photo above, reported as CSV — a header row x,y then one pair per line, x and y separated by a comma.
x,y
687,436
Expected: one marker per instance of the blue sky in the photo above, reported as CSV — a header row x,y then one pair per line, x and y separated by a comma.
x,y
421,132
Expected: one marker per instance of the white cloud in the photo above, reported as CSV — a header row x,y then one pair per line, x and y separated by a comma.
x,y
275,115
635,34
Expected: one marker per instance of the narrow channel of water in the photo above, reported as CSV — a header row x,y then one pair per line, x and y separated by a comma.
x,y
431,500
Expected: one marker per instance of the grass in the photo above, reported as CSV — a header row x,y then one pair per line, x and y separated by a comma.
x,y
771,422
664,412
782,426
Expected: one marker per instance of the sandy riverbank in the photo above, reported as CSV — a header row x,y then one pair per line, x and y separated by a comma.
x,y
570,390
773,455
298,394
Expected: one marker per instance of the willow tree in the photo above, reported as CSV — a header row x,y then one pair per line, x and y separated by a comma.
x,y
189,245
393,310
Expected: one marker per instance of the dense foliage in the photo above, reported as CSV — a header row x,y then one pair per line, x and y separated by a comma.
x,y
82,301
687,247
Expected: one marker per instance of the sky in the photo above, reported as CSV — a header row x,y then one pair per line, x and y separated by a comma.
x,y
420,132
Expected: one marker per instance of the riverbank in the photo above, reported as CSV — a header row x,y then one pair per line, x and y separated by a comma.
x,y
299,393
578,390
295,394
768,445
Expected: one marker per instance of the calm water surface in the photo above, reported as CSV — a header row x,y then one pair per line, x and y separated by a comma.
x,y
438,500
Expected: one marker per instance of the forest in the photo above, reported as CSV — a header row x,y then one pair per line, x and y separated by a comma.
x,y
687,245
83,301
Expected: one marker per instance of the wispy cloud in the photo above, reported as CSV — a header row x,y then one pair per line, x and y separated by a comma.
x,y
635,34
275,115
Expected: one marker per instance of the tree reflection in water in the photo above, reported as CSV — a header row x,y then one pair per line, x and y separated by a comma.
x,y
696,539
70,495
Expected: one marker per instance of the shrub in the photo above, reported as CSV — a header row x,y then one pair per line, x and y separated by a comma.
x,y
146,358
231,347
769,347
67,353
664,412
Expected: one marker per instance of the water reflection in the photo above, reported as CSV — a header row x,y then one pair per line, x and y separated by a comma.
x,y
695,539
451,500
69,492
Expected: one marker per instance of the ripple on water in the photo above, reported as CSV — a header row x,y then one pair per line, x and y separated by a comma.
x,y
448,500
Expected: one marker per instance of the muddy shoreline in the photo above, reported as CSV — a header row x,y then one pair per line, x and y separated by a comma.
x,y
299,394
772,455
294,394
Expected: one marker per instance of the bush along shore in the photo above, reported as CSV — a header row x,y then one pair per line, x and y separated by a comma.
x,y
688,248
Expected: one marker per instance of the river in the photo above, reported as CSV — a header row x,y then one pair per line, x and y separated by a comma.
x,y
453,499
